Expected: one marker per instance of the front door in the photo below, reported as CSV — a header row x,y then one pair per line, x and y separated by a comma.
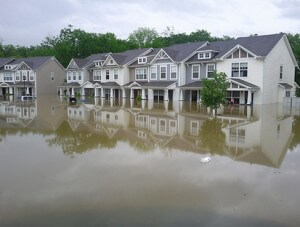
x,y
194,96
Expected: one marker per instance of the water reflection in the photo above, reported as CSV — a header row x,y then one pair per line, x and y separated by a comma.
x,y
259,134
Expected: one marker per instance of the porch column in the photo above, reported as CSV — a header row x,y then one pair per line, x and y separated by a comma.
x,y
123,93
60,91
150,94
143,94
111,93
82,92
131,93
11,92
27,91
96,92
102,95
73,92
181,95
249,99
166,95
198,96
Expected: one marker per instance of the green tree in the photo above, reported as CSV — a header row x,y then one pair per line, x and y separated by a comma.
x,y
143,37
214,90
212,137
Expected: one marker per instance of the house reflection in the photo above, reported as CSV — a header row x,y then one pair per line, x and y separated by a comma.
x,y
259,134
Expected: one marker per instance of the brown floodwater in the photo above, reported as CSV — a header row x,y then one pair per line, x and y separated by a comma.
x,y
123,163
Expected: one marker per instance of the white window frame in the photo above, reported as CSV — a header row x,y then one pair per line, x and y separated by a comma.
x,y
107,70
116,74
7,67
97,73
155,125
145,70
142,60
202,55
74,75
69,76
17,74
31,76
280,72
239,73
79,76
192,131
175,127
209,71
159,126
163,66
52,76
176,72
198,72
155,68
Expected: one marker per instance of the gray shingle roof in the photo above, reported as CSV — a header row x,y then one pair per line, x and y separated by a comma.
x,y
243,82
33,62
259,45
4,61
127,56
196,84
285,85
82,63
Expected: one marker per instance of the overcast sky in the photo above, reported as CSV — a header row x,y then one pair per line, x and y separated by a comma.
x,y
29,22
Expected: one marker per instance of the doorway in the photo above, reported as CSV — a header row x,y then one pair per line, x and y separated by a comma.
x,y
170,93
194,96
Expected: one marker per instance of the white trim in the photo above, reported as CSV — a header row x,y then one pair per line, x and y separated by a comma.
x,y
207,69
142,60
153,66
163,66
192,76
17,68
239,69
236,47
161,50
176,71
290,50
107,58
142,54
194,52
144,68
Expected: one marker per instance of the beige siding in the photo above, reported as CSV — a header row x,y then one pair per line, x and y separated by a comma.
x,y
44,85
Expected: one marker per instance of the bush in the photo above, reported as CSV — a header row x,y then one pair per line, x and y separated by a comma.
x,y
139,98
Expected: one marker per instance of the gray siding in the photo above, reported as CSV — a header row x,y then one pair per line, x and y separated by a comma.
x,y
189,73
44,85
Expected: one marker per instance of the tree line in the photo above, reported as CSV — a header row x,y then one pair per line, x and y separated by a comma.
x,y
77,43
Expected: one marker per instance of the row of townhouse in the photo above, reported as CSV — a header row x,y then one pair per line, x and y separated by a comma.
x,y
260,70
32,76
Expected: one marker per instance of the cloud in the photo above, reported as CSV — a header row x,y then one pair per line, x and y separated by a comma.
x,y
29,22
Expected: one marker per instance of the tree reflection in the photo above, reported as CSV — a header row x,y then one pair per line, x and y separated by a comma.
x,y
212,137
296,131
79,142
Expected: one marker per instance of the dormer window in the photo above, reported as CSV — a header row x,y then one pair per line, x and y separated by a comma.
x,y
111,61
7,67
97,64
142,60
204,55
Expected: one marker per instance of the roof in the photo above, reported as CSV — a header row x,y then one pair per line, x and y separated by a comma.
x,y
82,63
33,62
26,83
72,84
243,82
109,84
127,56
196,84
157,84
285,85
258,45
4,61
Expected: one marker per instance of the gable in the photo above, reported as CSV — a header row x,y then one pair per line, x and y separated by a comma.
x,y
23,66
110,61
72,65
238,52
161,57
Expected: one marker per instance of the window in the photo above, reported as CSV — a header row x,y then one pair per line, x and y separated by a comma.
x,y
163,72
31,77
162,126
97,64
8,77
69,75
116,74
7,67
195,71
141,74
79,75
210,70
17,76
111,61
287,93
142,60
281,72
243,69
74,75
235,70
204,55
153,73
173,72
24,78
107,74
97,75
194,128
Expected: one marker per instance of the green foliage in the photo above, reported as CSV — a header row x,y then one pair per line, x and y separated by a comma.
x,y
138,98
143,37
212,137
297,92
214,90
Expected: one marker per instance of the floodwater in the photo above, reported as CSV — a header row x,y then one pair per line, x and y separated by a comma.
x,y
103,163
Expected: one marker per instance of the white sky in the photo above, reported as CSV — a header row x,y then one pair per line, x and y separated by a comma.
x,y
29,22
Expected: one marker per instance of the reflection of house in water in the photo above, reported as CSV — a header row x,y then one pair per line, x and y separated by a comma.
x,y
18,114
